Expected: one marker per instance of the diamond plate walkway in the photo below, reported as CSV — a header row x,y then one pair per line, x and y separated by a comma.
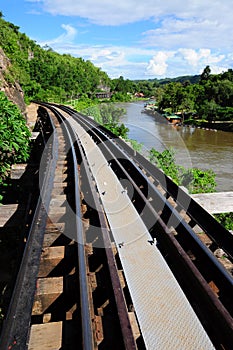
x,y
165,316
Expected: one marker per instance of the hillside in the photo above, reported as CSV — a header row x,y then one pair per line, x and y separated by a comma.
x,y
31,72
42,73
193,79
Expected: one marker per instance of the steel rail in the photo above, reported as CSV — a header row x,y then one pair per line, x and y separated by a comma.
x,y
185,233
214,306
217,233
171,213
176,221
224,324
221,236
126,328
15,330
87,330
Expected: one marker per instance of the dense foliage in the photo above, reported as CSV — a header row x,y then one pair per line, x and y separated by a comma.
x,y
45,74
226,219
106,114
209,100
198,181
166,161
14,136
194,179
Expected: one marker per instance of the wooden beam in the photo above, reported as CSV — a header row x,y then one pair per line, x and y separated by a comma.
x,y
215,203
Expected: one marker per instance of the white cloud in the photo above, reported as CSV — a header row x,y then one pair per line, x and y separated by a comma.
x,y
183,38
115,60
105,12
216,69
190,33
174,24
201,56
158,64
69,35
191,56
184,62
65,38
119,60
119,12
104,54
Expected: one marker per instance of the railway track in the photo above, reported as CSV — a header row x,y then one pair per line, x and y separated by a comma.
x,y
62,277
73,285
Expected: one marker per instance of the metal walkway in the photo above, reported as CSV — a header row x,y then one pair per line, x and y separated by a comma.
x,y
165,316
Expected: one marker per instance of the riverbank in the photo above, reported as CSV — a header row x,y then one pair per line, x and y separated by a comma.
x,y
216,125
194,146
207,125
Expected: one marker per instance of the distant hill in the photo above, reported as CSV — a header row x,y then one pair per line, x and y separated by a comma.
x,y
193,79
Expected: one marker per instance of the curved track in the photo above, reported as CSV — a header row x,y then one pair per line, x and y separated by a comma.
x,y
66,296
191,261
75,291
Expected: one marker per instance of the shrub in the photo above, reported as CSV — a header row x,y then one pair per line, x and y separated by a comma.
x,y
226,219
166,161
14,136
196,180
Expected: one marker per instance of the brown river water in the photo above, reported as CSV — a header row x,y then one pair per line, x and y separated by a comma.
x,y
194,147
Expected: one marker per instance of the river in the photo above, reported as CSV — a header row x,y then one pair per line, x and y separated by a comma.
x,y
194,147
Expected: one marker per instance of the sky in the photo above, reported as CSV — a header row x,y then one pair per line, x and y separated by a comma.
x,y
136,39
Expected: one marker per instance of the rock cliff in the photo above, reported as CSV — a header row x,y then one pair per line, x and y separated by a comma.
x,y
12,89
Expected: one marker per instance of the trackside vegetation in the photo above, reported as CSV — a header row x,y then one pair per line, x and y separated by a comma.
x,y
194,179
43,73
14,136
226,219
106,114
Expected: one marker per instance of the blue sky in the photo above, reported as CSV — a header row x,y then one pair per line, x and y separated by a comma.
x,y
136,39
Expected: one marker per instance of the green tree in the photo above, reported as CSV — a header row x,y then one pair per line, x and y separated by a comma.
x,y
224,95
187,102
172,96
148,88
205,75
228,75
110,113
120,97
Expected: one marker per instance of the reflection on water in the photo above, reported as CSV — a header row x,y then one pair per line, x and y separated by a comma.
x,y
205,149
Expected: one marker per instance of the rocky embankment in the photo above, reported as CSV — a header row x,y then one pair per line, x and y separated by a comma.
x,y
11,88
